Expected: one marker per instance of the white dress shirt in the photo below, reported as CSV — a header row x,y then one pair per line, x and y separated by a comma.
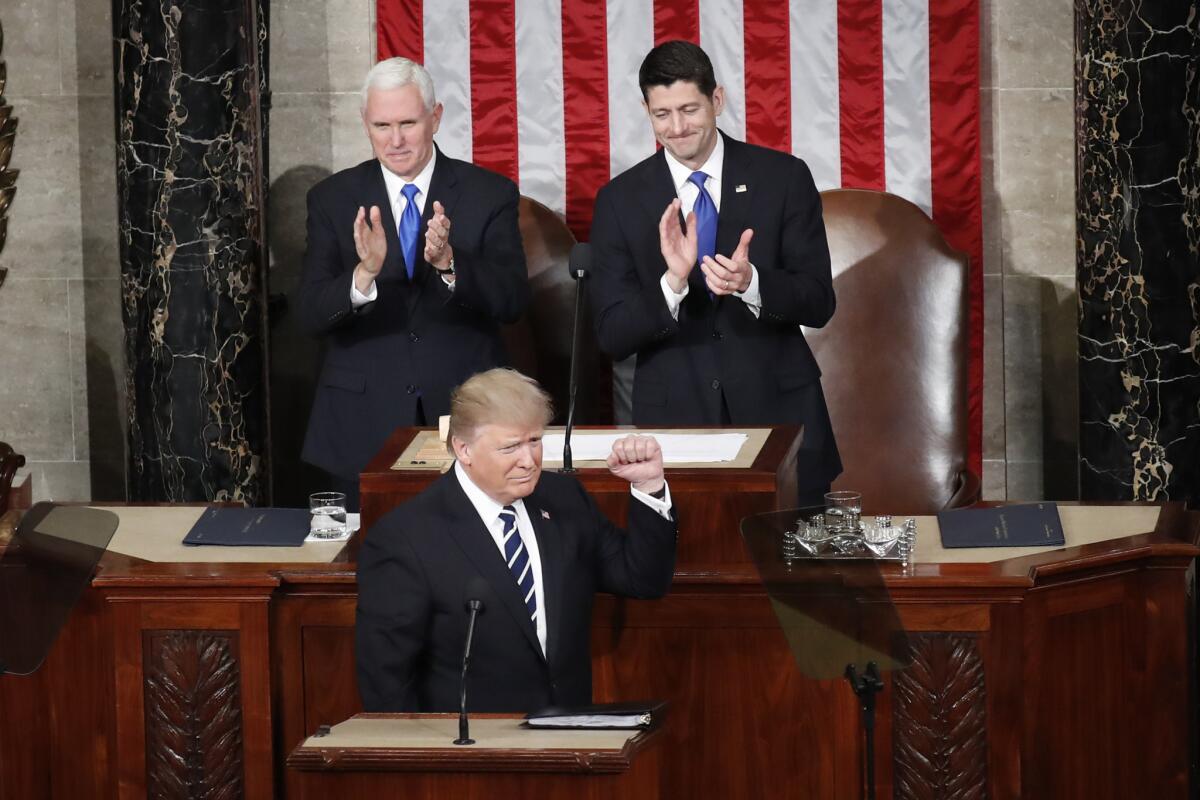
x,y
687,193
395,191
489,512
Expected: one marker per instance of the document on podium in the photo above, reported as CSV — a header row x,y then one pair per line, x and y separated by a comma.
x,y
677,448
639,714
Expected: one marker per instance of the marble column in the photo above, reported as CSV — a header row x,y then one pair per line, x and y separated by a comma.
x,y
190,185
1137,95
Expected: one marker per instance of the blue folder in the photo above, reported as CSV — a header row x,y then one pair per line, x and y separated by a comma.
x,y
250,527
1025,525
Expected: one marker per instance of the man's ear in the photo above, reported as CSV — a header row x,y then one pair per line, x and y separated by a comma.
x,y
462,450
718,100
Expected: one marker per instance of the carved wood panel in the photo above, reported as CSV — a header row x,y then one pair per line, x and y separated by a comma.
x,y
939,720
193,714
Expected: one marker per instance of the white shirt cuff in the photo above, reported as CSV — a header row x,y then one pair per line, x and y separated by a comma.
x,y
660,507
358,299
674,300
751,297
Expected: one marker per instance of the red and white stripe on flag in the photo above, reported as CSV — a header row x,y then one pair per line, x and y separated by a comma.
x,y
875,94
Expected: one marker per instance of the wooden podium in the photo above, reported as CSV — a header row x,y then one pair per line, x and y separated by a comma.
x,y
1056,673
412,756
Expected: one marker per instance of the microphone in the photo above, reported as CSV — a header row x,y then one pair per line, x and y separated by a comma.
x,y
579,264
475,607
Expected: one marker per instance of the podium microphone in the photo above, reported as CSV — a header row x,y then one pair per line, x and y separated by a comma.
x,y
579,264
475,607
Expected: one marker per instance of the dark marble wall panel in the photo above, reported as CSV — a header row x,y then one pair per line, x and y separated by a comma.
x,y
190,185
1138,258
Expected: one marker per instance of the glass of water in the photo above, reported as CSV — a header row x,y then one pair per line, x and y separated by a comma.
x,y
328,515
842,511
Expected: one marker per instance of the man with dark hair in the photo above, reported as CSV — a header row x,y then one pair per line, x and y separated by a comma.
x,y
414,259
709,256
531,546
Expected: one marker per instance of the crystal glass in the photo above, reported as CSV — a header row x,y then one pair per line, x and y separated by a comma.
x,y
328,515
842,511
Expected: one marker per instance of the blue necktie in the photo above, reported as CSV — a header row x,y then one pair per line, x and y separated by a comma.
x,y
706,226
518,560
410,225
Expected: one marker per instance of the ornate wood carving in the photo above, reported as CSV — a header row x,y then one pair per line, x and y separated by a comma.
x,y
193,715
939,720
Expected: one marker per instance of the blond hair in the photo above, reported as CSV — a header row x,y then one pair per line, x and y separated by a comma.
x,y
499,396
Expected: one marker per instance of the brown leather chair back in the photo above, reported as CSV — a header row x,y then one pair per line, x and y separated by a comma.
x,y
894,357
10,462
539,344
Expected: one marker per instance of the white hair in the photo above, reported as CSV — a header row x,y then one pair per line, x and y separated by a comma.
x,y
392,73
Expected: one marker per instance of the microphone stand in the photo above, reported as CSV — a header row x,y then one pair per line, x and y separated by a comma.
x,y
865,687
578,273
464,733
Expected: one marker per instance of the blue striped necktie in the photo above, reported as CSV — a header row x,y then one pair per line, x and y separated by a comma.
x,y
518,560
410,226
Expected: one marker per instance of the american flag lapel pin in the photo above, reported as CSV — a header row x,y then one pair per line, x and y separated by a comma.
x,y
545,514
741,187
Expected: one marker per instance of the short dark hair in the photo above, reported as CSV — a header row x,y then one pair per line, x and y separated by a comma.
x,y
677,60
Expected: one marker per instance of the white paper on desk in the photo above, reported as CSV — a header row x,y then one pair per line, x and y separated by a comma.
x,y
678,448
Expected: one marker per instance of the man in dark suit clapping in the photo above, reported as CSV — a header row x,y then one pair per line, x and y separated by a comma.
x,y
414,259
709,256
532,547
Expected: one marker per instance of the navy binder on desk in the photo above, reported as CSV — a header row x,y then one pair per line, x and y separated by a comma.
x,y
250,527
1027,525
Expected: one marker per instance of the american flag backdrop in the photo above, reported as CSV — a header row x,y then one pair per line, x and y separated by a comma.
x,y
873,94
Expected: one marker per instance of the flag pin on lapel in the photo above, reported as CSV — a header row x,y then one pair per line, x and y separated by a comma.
x,y
741,187
545,514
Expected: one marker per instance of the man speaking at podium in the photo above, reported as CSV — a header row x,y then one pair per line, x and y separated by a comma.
x,y
713,305
531,546
413,261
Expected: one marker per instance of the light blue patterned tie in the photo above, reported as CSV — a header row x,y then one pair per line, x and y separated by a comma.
x,y
410,225
518,560
706,226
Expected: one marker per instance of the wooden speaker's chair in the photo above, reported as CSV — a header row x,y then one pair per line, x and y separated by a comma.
x,y
10,462
894,357
539,344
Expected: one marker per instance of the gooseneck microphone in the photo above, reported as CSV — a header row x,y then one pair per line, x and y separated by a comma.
x,y
475,607
579,264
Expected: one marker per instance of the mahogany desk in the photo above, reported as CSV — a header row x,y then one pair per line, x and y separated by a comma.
x,y
1063,674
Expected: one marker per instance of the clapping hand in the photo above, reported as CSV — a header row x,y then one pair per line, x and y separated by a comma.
x,y
678,248
728,275
370,242
438,251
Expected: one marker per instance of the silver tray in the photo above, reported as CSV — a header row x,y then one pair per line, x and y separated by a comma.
x,y
876,539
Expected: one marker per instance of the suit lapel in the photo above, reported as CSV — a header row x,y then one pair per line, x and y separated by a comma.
x,y
549,541
375,192
735,205
658,190
473,538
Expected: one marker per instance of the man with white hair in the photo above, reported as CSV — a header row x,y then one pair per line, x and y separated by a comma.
x,y
414,259
531,546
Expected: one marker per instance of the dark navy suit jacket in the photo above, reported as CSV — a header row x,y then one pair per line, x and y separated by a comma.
x,y
761,368
419,338
424,559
